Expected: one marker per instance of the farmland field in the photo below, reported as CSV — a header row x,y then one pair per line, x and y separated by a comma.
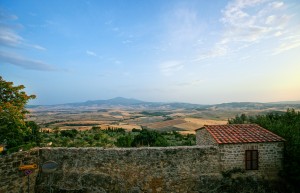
x,y
181,120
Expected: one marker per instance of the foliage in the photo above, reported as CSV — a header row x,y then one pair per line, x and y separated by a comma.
x,y
286,125
149,138
229,173
14,132
155,113
135,130
34,135
115,137
69,133
124,141
112,129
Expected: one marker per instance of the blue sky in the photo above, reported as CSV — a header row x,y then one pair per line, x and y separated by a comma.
x,y
200,51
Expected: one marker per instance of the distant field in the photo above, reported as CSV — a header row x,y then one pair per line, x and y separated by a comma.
x,y
164,124
205,121
181,120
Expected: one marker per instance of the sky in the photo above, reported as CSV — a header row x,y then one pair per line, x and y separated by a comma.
x,y
203,52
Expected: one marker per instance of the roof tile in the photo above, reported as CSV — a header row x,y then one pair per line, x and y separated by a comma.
x,y
241,133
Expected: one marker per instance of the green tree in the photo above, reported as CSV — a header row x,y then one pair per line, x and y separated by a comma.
x,y
13,128
124,141
69,133
34,135
149,138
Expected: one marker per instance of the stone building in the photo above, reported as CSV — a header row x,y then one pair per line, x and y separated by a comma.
x,y
249,147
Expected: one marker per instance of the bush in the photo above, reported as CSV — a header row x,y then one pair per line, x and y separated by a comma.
x,y
124,141
69,133
149,138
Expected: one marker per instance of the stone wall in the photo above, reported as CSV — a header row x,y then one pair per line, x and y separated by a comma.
x,y
270,157
11,179
155,169
170,169
203,137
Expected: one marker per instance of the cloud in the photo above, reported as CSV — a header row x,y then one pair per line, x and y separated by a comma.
x,y
182,28
4,15
249,22
168,68
37,47
243,22
91,53
277,4
192,83
218,51
288,43
126,41
9,38
25,63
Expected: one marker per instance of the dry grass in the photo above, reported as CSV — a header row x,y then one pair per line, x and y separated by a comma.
x,y
202,122
163,124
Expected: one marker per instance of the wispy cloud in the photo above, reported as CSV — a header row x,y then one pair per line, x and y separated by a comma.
x,y
192,83
25,63
183,27
9,38
91,53
168,68
249,22
37,47
288,44
127,41
218,51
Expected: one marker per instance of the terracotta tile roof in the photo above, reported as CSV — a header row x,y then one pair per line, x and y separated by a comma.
x,y
241,133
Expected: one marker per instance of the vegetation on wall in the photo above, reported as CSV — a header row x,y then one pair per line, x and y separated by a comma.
x,y
286,125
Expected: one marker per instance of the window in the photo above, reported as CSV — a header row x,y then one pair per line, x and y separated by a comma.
x,y
251,159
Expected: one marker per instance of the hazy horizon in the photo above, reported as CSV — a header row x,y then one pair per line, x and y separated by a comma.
x,y
197,51
71,102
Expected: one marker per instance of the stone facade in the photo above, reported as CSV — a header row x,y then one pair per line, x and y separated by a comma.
x,y
11,179
170,169
203,137
232,155
270,157
134,170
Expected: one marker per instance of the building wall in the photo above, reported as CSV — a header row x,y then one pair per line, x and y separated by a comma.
x,y
270,157
156,169
11,179
169,169
203,137
233,155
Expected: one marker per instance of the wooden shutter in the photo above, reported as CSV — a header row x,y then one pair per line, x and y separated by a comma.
x,y
251,160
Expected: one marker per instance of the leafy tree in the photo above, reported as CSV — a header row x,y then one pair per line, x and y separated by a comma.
x,y
149,138
124,141
97,137
34,134
135,130
13,128
69,133
286,125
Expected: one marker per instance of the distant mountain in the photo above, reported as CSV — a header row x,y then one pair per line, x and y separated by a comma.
x,y
135,103
286,102
113,101
120,101
256,105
